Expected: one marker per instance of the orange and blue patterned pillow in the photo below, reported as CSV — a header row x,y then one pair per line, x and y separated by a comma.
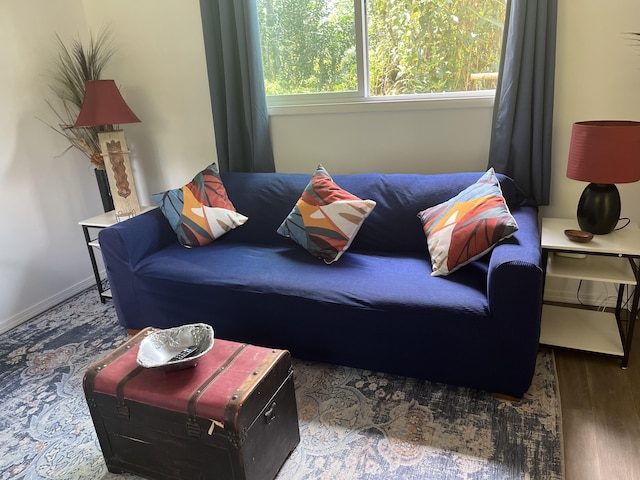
x,y
200,211
326,218
468,225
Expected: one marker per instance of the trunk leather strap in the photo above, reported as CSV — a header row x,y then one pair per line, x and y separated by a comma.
x,y
193,429
104,362
191,406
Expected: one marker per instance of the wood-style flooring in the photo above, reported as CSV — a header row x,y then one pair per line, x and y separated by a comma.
x,y
600,414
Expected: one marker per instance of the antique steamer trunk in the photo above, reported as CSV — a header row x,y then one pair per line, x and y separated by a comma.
x,y
233,416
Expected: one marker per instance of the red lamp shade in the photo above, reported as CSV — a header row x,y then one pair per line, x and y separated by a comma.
x,y
103,105
605,152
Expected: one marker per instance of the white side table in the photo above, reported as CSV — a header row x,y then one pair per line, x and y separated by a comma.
x,y
609,258
97,223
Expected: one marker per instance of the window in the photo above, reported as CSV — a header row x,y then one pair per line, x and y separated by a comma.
x,y
361,49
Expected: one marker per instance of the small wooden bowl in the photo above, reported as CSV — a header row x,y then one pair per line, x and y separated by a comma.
x,y
579,236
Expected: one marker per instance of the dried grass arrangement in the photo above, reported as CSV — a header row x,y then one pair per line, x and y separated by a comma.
x,y
73,66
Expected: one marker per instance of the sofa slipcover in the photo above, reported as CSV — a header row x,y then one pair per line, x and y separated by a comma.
x,y
377,307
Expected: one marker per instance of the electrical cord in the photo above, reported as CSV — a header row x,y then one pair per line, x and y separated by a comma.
x,y
623,226
578,294
603,304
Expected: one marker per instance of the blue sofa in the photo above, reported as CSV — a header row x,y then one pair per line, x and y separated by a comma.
x,y
377,308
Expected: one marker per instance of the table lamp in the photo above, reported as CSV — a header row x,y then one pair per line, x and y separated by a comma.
x,y
103,106
603,152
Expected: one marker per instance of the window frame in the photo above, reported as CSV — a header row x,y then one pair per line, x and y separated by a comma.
x,y
360,99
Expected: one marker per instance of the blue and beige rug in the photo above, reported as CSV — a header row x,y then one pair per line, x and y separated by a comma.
x,y
354,424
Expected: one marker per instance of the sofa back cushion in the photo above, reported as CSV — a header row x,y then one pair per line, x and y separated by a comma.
x,y
267,199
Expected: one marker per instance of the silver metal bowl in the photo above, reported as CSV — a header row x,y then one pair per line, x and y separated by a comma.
x,y
176,348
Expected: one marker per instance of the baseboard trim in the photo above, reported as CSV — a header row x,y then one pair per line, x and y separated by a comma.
x,y
46,304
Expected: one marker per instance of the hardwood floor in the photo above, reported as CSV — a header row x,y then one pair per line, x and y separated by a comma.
x,y
600,414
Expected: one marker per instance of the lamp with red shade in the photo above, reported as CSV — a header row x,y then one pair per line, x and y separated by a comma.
x,y
103,106
603,152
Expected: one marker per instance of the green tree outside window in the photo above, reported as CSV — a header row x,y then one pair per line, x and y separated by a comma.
x,y
413,46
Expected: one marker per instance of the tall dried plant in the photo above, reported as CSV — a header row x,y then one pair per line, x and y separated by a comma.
x,y
73,66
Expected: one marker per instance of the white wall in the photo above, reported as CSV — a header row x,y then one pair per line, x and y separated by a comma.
x,y
43,193
597,77
160,66
161,69
417,137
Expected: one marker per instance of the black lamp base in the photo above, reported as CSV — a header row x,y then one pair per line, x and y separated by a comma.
x,y
105,191
599,208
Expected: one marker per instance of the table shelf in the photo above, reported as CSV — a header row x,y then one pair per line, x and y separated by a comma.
x,y
596,268
579,329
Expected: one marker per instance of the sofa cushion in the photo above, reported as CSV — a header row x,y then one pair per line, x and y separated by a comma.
x,y
467,226
395,283
326,218
200,211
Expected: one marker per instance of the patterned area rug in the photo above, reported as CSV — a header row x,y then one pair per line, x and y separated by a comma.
x,y
354,424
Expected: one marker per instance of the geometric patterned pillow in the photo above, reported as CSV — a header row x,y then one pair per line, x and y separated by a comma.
x,y
200,211
468,225
326,218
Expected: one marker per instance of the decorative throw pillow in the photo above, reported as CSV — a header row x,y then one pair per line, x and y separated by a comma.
x,y
326,218
200,211
468,225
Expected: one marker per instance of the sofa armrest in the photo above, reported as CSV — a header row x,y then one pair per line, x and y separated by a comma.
x,y
515,291
515,265
137,237
123,246
514,280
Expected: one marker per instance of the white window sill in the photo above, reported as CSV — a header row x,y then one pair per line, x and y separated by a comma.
x,y
441,101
